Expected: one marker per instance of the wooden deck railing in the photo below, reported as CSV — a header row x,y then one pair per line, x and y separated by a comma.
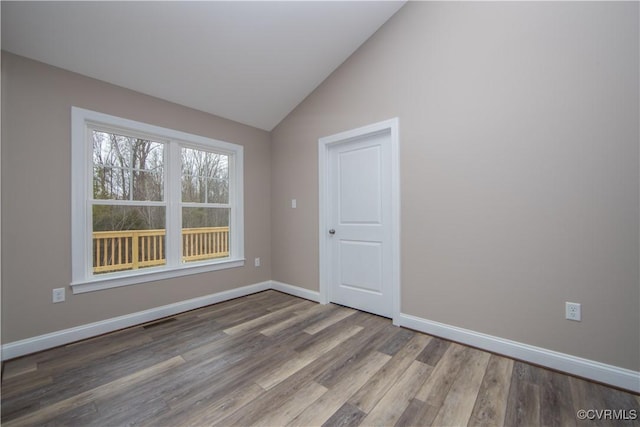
x,y
133,249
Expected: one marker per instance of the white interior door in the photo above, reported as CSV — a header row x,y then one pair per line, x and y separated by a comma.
x,y
359,227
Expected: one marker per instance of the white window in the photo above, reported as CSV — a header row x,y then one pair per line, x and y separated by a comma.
x,y
150,203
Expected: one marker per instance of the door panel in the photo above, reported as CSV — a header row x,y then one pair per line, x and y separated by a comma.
x,y
360,265
359,186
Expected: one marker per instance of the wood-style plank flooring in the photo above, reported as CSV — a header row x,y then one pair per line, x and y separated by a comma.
x,y
272,359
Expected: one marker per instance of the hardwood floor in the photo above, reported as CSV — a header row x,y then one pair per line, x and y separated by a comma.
x,y
272,359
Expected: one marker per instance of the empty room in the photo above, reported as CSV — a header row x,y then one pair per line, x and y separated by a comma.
x,y
306,213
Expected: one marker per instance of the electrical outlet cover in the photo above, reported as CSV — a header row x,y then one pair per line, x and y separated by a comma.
x,y
573,311
58,295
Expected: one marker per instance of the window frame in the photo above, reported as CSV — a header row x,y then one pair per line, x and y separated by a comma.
x,y
83,279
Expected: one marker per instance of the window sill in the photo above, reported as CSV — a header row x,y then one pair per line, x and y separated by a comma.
x,y
150,275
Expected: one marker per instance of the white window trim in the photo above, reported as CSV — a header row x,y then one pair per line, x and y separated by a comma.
x,y
82,279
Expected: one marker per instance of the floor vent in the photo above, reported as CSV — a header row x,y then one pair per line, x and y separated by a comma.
x,y
160,322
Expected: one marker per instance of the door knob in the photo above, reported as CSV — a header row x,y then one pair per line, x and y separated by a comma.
x,y
332,231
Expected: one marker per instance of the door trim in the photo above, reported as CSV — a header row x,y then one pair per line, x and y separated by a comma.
x,y
324,144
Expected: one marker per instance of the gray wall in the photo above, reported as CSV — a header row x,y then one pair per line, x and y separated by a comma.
x,y
519,158
36,199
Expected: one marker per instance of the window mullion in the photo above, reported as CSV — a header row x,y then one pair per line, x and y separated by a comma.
x,y
174,212
88,206
130,167
232,211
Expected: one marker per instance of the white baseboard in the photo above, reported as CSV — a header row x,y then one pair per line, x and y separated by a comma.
x,y
66,336
601,372
295,291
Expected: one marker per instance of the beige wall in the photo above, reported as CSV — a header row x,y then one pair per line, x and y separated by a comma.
x,y
520,176
36,199
519,168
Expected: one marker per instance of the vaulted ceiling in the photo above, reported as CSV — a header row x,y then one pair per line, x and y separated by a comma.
x,y
251,62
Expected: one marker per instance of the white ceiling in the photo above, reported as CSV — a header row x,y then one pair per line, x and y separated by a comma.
x,y
251,62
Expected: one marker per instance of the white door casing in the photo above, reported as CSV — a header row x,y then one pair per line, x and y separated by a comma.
x,y
359,204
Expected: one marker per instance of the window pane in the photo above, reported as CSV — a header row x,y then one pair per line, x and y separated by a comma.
x,y
205,233
127,168
193,189
148,185
217,191
205,176
127,237
218,166
147,155
111,150
111,183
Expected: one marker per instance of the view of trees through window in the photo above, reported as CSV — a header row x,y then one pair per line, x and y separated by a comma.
x,y
205,182
129,208
131,169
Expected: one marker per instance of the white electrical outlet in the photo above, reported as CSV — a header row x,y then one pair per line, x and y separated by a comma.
x,y
294,203
58,295
256,262
573,311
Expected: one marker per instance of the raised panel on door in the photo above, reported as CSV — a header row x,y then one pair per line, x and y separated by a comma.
x,y
359,186
361,265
